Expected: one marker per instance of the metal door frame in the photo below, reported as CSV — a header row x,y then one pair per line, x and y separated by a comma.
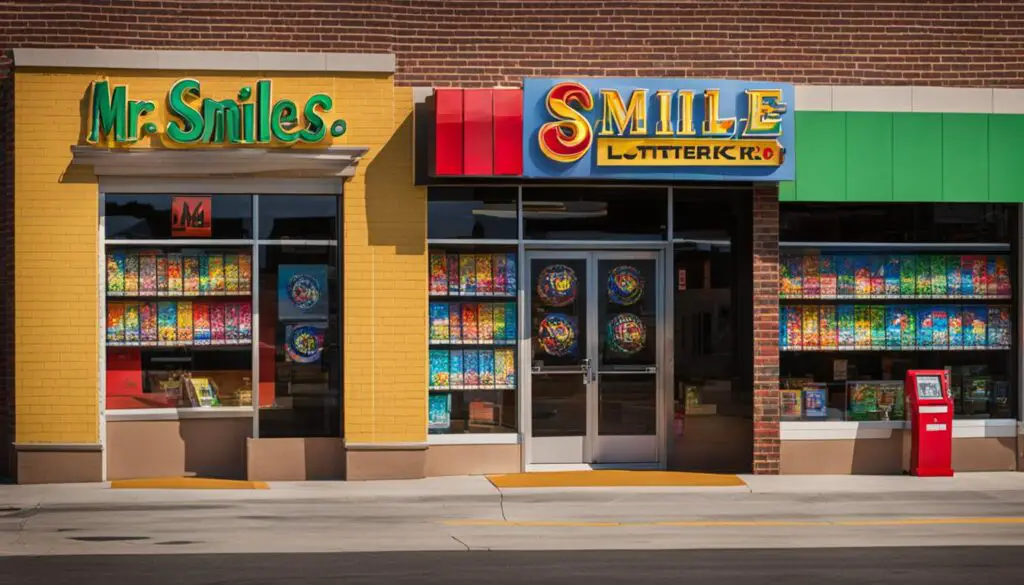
x,y
591,253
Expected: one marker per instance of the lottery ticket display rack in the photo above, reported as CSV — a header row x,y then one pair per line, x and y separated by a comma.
x,y
473,335
853,320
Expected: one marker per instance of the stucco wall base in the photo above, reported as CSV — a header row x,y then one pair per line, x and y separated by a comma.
x,y
472,459
891,456
985,454
177,448
59,466
383,463
295,459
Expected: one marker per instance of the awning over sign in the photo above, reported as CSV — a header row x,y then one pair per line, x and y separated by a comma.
x,y
335,161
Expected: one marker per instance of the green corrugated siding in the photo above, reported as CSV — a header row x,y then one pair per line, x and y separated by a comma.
x,y
907,157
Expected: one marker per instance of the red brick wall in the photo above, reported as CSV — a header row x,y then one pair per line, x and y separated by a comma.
x,y
922,42
766,330
6,267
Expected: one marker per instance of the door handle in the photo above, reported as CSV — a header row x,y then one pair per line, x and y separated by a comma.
x,y
587,369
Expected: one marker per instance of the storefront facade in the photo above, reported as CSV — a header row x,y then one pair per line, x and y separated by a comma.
x,y
503,264
180,269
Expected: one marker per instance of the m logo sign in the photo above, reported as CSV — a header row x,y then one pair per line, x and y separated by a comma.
x,y
191,217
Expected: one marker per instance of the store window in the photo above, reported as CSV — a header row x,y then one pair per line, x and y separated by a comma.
x,y
596,214
893,288
473,312
300,345
149,217
712,296
190,294
473,213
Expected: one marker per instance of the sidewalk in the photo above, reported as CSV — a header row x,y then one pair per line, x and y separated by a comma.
x,y
477,489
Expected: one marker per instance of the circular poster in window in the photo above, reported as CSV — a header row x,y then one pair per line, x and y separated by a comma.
x,y
304,343
303,291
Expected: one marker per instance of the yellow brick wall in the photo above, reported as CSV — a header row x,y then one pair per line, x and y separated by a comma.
x,y
56,252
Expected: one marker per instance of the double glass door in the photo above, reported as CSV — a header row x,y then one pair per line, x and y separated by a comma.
x,y
594,322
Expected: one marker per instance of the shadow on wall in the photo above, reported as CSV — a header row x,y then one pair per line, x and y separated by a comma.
x,y
395,207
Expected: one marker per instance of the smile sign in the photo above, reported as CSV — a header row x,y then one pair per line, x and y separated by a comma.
x,y
658,129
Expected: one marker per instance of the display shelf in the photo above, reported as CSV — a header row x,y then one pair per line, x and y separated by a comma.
x,y
182,296
472,388
499,343
892,349
189,344
471,296
909,300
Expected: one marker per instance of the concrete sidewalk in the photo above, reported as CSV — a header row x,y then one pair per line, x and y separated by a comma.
x,y
478,489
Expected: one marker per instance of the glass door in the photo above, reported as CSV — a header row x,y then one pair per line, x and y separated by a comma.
x,y
561,368
593,322
627,349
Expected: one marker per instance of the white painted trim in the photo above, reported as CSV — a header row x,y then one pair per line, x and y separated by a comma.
x,y
474,439
179,413
984,428
880,98
177,60
837,430
853,430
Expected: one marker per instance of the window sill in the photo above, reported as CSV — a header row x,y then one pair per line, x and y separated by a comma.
x,y
474,439
180,413
852,430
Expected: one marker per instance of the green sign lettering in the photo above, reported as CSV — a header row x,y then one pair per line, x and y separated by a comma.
x,y
253,117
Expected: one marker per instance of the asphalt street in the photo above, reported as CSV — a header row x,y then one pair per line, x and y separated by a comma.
x,y
838,566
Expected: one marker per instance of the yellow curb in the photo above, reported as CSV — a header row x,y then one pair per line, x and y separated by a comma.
x,y
740,523
614,478
186,483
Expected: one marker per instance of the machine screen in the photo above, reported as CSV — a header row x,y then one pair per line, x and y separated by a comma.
x,y
929,387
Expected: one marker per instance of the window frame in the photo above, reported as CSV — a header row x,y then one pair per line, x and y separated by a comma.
x,y
213,187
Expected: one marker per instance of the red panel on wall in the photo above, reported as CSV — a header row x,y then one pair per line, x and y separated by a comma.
x,y
508,132
478,129
448,131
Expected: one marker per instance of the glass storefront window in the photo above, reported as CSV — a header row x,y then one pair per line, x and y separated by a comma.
x,y
178,326
298,217
181,319
148,217
473,351
595,213
299,341
478,213
886,289
961,223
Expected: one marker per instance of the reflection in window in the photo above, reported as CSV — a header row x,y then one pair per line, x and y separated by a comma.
x,y
148,217
589,213
298,217
300,341
472,213
895,222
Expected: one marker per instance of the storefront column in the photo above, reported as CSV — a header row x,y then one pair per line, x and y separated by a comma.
x,y
385,313
766,330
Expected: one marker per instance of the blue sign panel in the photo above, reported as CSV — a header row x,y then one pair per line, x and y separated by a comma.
x,y
659,129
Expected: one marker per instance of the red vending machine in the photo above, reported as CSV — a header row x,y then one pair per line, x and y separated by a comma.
x,y
931,423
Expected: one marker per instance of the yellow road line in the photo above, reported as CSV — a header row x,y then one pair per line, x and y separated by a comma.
x,y
741,523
